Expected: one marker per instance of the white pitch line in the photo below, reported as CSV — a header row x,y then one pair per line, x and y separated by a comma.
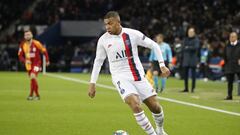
x,y
161,98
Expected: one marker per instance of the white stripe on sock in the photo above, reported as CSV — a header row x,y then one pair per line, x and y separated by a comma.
x,y
159,119
143,121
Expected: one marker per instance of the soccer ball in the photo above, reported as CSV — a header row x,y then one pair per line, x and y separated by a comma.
x,y
120,132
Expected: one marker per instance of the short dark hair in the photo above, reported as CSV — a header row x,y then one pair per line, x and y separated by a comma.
x,y
191,27
113,14
27,30
160,35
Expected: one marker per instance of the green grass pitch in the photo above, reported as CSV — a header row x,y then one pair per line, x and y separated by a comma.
x,y
65,108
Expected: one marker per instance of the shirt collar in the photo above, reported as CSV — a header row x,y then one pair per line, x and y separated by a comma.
x,y
234,43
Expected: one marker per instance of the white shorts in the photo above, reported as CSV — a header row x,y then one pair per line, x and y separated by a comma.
x,y
128,87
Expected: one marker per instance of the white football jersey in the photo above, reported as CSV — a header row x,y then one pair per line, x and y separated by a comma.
x,y
122,53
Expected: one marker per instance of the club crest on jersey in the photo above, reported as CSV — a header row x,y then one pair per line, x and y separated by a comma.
x,y
34,49
127,41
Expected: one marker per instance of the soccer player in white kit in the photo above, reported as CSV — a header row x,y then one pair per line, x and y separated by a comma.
x,y
119,45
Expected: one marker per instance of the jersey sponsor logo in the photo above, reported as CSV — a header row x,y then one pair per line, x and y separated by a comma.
x,y
121,54
34,49
32,55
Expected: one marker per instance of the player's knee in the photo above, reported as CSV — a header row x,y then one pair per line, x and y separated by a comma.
x,y
156,108
32,76
134,105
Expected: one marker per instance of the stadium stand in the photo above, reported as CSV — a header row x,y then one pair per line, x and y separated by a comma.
x,y
212,19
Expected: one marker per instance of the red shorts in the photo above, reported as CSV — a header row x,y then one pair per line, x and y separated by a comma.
x,y
35,70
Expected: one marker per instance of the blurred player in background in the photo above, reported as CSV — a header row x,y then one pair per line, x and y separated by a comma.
x,y
167,56
119,45
29,53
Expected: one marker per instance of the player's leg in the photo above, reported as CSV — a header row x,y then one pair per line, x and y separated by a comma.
x,y
34,82
148,96
37,69
156,71
157,113
163,83
155,79
135,104
130,96
30,97
164,79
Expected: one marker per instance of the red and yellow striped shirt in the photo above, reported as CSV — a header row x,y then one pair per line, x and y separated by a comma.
x,y
29,54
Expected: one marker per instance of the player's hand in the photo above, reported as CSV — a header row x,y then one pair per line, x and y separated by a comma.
x,y
28,62
48,63
92,90
165,71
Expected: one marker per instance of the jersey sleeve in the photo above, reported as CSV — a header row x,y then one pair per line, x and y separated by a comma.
x,y
98,62
42,49
21,53
144,41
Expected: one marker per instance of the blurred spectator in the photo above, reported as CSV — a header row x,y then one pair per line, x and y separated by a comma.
x,y
214,19
190,57
215,64
68,55
4,60
178,58
10,10
204,58
232,62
